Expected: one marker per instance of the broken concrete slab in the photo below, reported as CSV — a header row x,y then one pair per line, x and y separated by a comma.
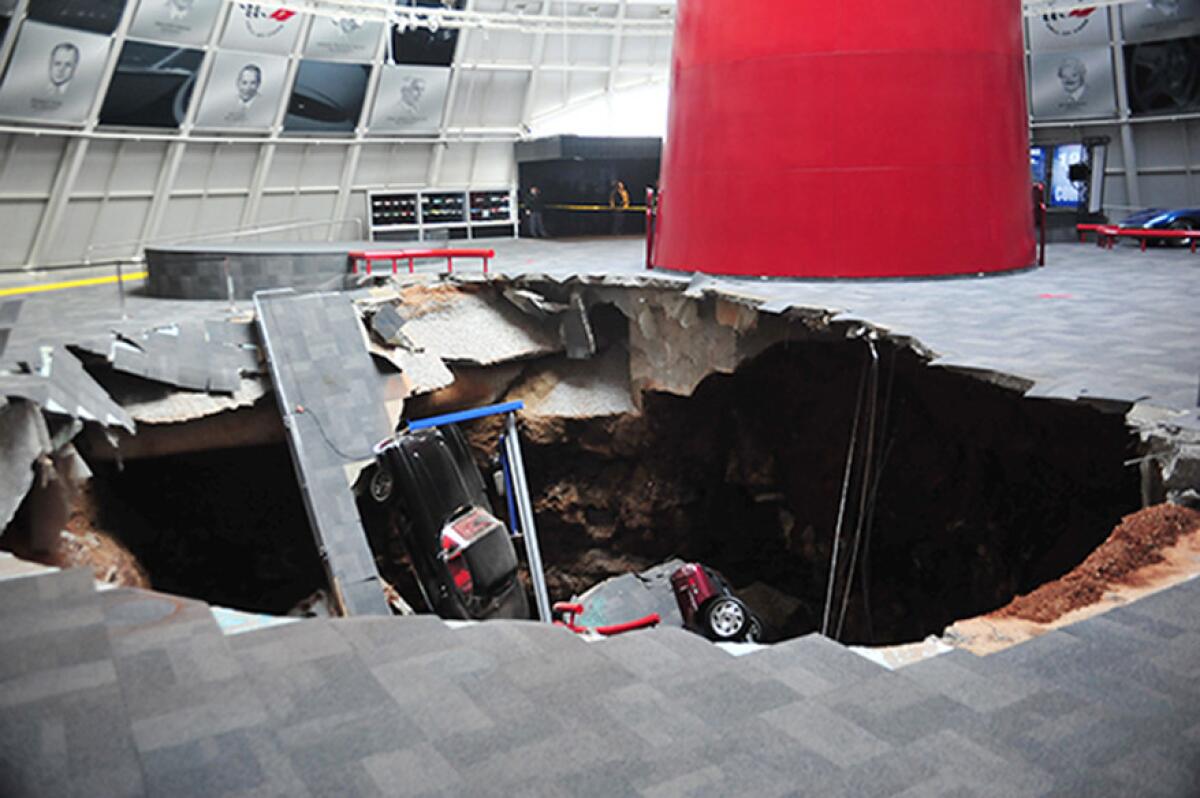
x,y
628,597
206,356
388,324
561,388
329,395
149,402
74,392
24,438
463,324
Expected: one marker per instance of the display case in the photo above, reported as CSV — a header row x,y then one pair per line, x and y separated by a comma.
x,y
388,210
442,214
443,208
491,206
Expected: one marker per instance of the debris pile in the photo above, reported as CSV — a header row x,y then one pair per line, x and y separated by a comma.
x,y
1139,541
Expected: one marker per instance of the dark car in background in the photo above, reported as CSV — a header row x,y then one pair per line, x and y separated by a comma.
x,y
1164,219
425,487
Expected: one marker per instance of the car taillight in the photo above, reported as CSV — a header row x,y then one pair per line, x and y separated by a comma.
x,y
460,573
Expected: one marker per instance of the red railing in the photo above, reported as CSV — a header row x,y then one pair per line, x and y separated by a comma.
x,y
412,255
1107,235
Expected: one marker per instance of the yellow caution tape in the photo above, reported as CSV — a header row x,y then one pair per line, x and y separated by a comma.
x,y
641,208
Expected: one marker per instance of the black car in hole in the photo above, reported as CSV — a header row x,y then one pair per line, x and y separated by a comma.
x,y
425,487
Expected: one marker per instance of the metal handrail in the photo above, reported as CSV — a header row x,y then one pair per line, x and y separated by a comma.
x,y
235,233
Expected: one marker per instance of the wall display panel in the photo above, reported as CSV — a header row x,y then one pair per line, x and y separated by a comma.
x,y
1068,30
258,28
152,86
243,92
175,21
1073,84
1064,193
1155,20
343,39
98,16
1163,77
418,44
411,99
54,74
327,98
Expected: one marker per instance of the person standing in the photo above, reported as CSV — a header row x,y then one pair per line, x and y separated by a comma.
x,y
535,206
618,202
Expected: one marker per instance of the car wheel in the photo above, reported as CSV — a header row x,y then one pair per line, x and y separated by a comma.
x,y
382,484
755,633
1182,224
726,618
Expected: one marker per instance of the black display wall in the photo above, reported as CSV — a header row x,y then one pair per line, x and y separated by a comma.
x,y
577,175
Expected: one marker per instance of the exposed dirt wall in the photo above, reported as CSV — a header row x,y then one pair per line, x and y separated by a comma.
x,y
983,494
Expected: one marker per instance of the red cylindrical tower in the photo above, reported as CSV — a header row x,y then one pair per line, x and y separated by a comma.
x,y
846,138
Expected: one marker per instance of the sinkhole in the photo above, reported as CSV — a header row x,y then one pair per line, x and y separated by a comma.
x,y
960,494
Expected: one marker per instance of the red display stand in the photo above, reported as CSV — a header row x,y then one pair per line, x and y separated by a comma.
x,y
846,138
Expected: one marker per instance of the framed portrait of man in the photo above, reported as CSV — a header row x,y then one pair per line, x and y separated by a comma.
x,y
1073,84
411,99
54,75
244,92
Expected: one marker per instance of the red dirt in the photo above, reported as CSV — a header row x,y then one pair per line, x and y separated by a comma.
x,y
84,545
1135,544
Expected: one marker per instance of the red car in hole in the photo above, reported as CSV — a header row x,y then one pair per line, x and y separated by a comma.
x,y
710,608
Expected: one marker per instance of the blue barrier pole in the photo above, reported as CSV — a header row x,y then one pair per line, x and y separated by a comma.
x,y
465,415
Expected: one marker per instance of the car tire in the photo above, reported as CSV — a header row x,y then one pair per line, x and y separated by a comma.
x,y
381,486
755,633
726,619
1182,224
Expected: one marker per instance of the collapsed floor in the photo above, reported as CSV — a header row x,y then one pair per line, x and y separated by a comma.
x,y
662,425
980,496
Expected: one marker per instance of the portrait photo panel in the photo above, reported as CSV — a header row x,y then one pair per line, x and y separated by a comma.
x,y
97,16
1073,84
411,99
175,21
343,39
54,74
259,28
327,97
152,86
244,91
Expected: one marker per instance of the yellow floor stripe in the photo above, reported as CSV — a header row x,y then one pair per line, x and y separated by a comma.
x,y
39,289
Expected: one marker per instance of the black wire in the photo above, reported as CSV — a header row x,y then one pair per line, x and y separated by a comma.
x,y
303,410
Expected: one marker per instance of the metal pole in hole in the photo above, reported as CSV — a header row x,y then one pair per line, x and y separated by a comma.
x,y
525,511
121,290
